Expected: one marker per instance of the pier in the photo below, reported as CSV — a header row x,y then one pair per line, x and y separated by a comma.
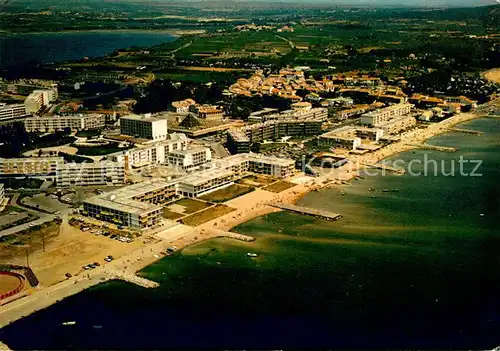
x,y
132,278
434,147
467,131
330,216
385,167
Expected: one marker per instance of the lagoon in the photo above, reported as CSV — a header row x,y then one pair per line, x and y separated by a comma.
x,y
53,47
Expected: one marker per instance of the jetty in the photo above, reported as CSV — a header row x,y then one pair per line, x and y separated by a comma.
x,y
467,131
434,147
132,278
308,211
385,167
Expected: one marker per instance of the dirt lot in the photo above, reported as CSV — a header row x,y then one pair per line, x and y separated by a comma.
x,y
207,215
66,251
280,186
227,193
187,206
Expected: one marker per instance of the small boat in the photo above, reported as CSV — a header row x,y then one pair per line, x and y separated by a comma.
x,y
386,190
481,214
97,326
251,254
69,323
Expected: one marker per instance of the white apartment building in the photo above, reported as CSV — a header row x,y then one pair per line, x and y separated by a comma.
x,y
86,174
39,98
377,117
190,159
257,163
136,206
204,182
56,123
319,113
151,154
144,126
12,111
36,167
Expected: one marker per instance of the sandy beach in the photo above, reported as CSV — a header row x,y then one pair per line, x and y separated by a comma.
x,y
247,207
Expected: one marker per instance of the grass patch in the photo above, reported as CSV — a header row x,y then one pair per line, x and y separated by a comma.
x,y
280,186
228,193
192,205
89,133
256,180
207,215
168,214
99,150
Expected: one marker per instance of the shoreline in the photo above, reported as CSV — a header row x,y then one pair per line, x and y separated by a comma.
x,y
247,207
173,32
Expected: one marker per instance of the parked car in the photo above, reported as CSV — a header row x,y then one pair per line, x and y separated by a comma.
x,y
97,264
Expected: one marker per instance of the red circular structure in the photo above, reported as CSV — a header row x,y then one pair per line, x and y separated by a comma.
x,y
21,279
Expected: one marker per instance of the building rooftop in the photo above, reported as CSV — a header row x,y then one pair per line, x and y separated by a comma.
x,y
123,199
146,118
205,176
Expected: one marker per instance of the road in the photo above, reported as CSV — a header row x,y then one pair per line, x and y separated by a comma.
x,y
43,218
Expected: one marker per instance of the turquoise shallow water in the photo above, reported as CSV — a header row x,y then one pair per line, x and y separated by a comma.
x,y
413,268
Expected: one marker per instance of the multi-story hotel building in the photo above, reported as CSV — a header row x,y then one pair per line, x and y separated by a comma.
x,y
85,174
58,123
149,154
203,182
12,111
137,206
146,126
343,139
397,125
39,98
190,159
318,113
374,118
239,140
36,167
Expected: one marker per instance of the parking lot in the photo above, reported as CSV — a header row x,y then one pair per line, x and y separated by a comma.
x,y
48,203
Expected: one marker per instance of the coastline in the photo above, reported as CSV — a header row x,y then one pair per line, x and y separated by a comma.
x,y
247,207
173,32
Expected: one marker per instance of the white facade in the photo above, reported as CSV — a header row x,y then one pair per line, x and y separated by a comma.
x,y
146,127
153,153
37,167
84,174
374,118
189,159
40,98
11,111
56,123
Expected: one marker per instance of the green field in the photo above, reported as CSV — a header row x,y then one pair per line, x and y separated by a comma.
x,y
279,186
207,215
228,193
